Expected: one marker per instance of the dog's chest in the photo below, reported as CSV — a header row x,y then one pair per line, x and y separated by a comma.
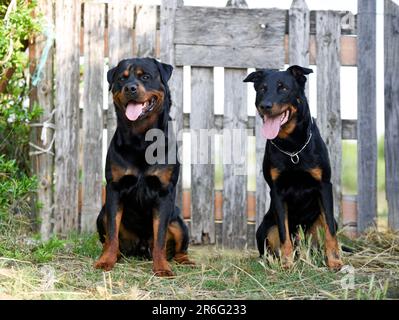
x,y
132,179
295,185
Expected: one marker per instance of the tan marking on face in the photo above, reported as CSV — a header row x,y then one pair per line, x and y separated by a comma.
x,y
287,128
126,73
119,99
274,173
316,173
138,71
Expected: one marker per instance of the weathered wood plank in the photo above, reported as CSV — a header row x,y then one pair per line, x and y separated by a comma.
x,y
264,27
67,24
251,235
366,115
235,159
202,169
43,163
391,37
176,115
92,114
328,33
349,129
251,232
234,233
167,55
120,33
145,31
299,26
348,50
347,22
230,57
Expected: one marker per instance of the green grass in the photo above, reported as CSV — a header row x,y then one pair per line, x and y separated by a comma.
x,y
63,269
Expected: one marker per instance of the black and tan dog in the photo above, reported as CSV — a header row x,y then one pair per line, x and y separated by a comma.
x,y
296,166
139,216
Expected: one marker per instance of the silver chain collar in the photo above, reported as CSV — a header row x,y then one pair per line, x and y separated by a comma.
x,y
294,155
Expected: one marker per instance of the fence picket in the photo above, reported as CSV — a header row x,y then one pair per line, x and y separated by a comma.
x,y
92,114
202,175
120,33
67,26
43,164
392,111
328,32
367,116
235,175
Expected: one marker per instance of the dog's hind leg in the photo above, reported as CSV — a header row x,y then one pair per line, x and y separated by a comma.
x,y
179,232
263,231
101,222
261,237
328,222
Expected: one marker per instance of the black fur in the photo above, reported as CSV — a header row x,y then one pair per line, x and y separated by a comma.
x,y
141,194
294,186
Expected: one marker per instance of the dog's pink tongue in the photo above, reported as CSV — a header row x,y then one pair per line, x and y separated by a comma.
x,y
133,110
271,127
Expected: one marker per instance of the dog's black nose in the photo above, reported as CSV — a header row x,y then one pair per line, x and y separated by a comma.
x,y
266,105
132,89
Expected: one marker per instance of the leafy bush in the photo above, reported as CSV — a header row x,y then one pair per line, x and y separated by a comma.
x,y
15,188
16,27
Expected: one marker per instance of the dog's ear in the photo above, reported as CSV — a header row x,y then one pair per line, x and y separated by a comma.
x,y
299,73
254,76
165,70
258,74
110,77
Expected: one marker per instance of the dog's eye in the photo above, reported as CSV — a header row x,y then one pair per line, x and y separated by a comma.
x,y
145,77
282,87
263,89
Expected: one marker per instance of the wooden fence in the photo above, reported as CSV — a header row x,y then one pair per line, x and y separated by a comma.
x,y
103,32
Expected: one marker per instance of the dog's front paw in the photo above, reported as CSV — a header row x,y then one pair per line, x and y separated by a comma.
x,y
164,273
334,261
287,262
181,258
106,262
334,264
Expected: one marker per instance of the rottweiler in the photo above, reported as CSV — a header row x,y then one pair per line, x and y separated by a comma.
x,y
139,217
296,167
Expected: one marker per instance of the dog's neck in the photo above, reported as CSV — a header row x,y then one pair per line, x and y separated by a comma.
x,y
298,137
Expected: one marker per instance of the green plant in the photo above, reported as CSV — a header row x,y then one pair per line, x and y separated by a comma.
x,y
15,188
17,24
